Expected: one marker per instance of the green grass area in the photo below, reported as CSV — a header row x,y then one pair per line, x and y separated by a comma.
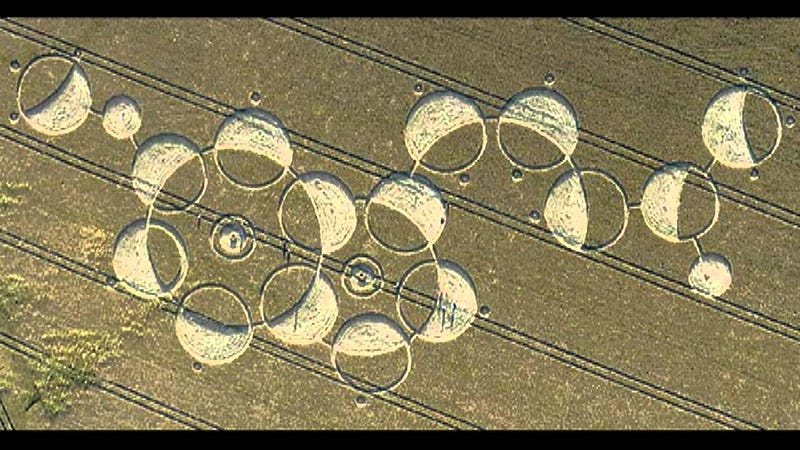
x,y
74,357
11,194
77,355
14,291
6,379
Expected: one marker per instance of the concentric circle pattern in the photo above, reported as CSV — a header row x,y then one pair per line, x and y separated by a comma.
x,y
214,323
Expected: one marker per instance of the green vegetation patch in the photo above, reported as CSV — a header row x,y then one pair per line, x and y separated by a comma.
x,y
14,291
75,356
11,194
71,358
6,379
